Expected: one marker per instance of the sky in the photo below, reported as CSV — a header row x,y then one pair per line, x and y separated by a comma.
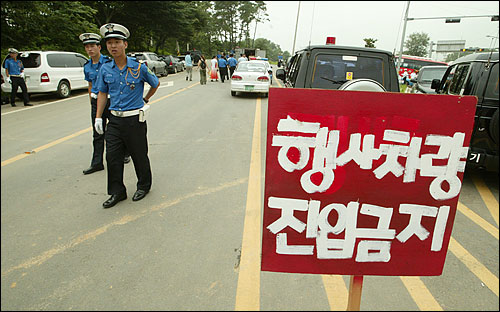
x,y
352,21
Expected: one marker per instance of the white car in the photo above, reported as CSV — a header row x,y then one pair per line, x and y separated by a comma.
x,y
50,71
251,76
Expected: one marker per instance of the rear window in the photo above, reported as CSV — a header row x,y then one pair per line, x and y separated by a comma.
x,y
30,60
153,57
428,74
331,71
251,67
492,86
60,60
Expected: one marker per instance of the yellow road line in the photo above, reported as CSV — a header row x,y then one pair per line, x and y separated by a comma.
x,y
173,93
489,200
248,289
476,267
41,148
279,84
336,292
92,235
478,220
420,294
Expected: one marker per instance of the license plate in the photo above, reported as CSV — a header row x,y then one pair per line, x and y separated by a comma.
x,y
249,88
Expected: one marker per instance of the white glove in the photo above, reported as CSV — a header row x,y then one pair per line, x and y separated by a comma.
x,y
98,126
9,80
22,75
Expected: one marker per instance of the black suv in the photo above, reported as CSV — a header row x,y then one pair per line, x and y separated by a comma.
x,y
477,74
331,66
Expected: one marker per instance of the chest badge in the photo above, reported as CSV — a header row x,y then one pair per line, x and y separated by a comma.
x,y
132,86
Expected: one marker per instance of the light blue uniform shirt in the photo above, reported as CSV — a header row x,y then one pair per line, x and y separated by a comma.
x,y
232,62
91,71
126,86
188,60
14,67
222,62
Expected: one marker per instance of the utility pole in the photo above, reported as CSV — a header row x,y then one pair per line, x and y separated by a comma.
x,y
296,24
400,58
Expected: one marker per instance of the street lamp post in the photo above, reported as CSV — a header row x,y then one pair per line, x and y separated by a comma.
x,y
400,58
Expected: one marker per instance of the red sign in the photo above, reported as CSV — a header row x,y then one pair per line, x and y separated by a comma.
x,y
362,183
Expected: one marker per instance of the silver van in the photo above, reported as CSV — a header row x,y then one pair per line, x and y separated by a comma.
x,y
50,71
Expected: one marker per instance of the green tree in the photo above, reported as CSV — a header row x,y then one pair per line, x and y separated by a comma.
x,y
46,25
417,44
370,42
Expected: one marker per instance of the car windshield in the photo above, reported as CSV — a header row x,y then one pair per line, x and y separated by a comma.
x,y
251,67
428,74
331,71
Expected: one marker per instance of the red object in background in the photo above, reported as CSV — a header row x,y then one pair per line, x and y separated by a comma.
x,y
330,40
350,112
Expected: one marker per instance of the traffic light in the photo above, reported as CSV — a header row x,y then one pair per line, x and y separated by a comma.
x,y
494,18
452,20
480,50
463,50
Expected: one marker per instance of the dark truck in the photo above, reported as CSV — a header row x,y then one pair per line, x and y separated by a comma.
x,y
477,75
332,66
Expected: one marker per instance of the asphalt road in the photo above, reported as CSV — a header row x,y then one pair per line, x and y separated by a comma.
x,y
191,243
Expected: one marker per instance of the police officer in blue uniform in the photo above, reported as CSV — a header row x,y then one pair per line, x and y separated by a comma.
x,y
14,70
123,78
92,44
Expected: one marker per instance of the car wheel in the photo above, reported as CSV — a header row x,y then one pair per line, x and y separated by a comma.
x,y
63,89
233,93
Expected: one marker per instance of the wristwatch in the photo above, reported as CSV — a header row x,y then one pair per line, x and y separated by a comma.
x,y
145,101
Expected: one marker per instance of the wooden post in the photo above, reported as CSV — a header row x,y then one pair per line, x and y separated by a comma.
x,y
355,286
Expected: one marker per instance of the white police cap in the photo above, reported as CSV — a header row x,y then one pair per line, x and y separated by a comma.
x,y
12,50
112,30
90,38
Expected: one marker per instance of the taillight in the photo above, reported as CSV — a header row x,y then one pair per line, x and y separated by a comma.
x,y
44,78
236,77
170,64
263,79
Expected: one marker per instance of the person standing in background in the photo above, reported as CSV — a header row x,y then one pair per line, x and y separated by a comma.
x,y
222,68
14,70
189,66
213,69
92,44
202,67
232,62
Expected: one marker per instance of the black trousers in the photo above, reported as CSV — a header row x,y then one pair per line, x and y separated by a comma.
x,y
98,139
122,134
16,83
231,70
223,73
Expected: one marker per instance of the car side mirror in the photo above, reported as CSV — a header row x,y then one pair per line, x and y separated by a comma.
x,y
280,73
435,84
